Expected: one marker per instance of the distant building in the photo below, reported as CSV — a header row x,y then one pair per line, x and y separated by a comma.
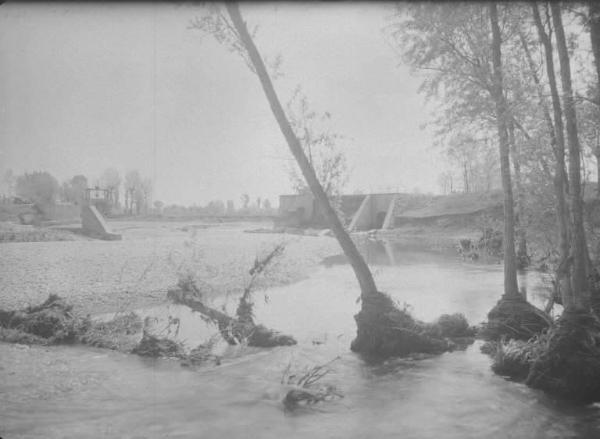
x,y
99,197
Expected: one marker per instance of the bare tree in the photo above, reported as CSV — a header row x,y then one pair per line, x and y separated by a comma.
x,y
9,180
245,198
145,193
445,182
133,182
319,143
111,180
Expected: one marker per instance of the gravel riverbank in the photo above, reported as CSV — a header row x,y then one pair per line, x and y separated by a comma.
x,y
106,276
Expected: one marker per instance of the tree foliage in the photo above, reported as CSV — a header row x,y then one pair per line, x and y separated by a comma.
x,y
320,145
39,187
73,190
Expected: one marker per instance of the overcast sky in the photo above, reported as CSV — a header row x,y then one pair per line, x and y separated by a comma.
x,y
90,86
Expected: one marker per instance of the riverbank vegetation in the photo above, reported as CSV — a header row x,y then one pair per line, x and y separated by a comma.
x,y
53,322
508,82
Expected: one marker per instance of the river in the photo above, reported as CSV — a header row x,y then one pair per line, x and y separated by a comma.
x,y
75,392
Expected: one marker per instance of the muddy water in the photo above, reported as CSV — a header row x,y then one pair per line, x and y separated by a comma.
x,y
82,392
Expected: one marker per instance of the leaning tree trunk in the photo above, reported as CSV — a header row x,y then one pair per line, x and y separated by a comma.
x,y
361,270
513,316
560,177
579,251
382,329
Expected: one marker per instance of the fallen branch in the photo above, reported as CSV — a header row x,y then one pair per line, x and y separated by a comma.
x,y
234,331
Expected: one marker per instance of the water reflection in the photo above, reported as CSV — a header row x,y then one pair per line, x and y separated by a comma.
x,y
441,281
386,252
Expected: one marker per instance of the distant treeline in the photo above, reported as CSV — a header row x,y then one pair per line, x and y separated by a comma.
x,y
132,195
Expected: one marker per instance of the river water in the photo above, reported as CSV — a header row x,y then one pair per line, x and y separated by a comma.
x,y
74,392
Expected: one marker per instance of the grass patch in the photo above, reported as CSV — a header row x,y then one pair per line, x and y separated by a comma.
x,y
120,333
563,361
10,232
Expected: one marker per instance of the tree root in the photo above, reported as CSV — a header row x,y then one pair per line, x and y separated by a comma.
x,y
568,364
384,331
514,318
563,361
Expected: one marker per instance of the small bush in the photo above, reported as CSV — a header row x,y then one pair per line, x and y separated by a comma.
x,y
50,322
152,346
512,359
451,326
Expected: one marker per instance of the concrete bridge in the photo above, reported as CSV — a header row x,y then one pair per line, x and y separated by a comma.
x,y
361,212
375,212
92,221
387,210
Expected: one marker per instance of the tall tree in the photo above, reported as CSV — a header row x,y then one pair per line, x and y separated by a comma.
x,y
245,198
144,194
594,25
133,197
8,180
511,288
557,140
579,251
567,362
522,256
460,49
594,19
111,180
79,184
